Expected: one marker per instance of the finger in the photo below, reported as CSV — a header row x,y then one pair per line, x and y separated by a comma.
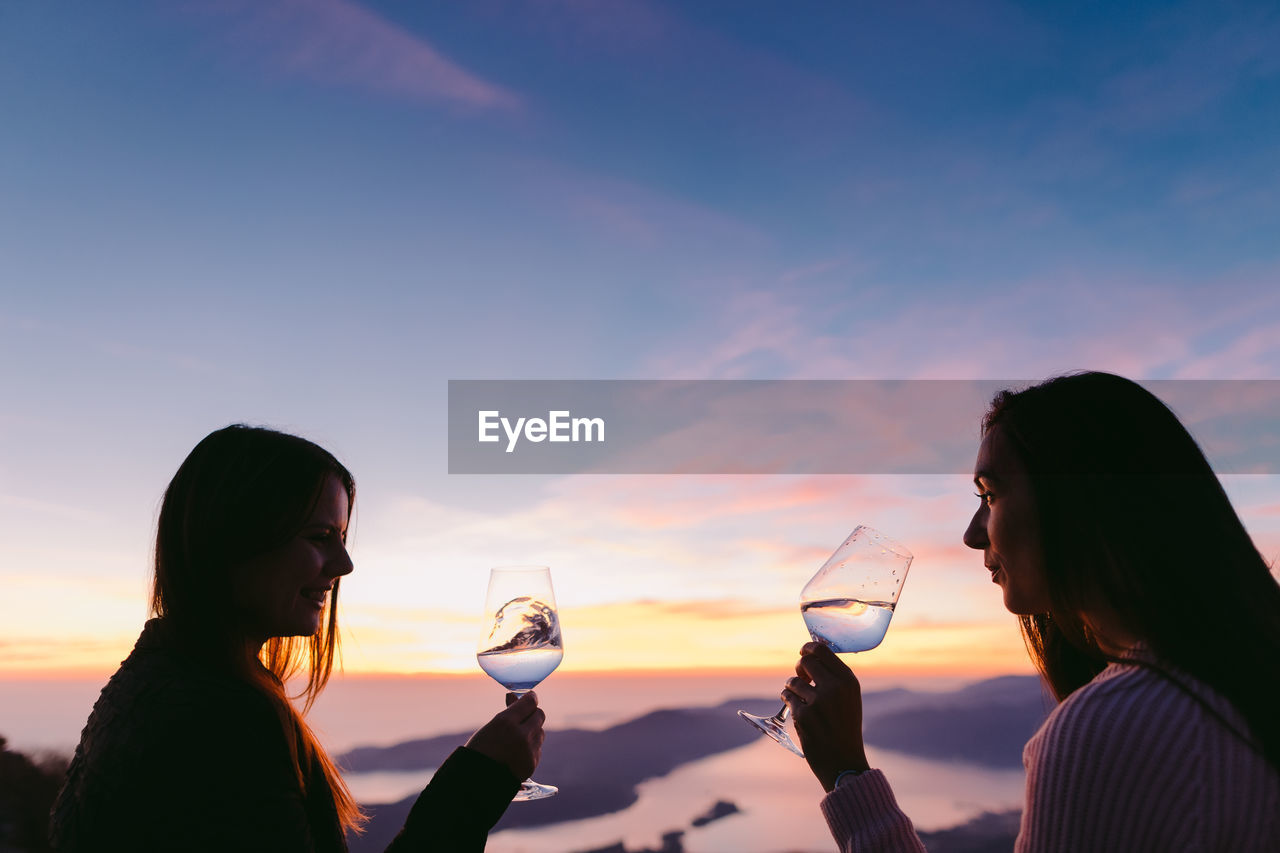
x,y
519,709
527,697
794,702
821,651
802,689
813,670
820,665
534,720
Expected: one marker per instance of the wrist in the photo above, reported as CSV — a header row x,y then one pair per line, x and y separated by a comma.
x,y
846,774
832,777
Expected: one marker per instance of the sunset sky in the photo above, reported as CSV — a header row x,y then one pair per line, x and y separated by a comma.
x,y
312,214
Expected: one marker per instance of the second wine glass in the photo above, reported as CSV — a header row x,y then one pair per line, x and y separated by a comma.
x,y
847,605
522,644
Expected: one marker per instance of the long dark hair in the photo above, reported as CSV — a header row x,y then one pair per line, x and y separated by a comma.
x,y
1132,518
241,492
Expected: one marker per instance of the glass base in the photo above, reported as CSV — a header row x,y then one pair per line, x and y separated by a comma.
x,y
772,727
531,790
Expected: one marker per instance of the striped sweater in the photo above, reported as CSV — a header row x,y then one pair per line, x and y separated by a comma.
x,y
1129,762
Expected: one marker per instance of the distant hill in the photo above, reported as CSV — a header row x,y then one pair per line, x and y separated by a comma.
x,y
989,832
986,723
28,787
597,771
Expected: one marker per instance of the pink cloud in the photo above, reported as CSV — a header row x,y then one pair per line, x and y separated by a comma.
x,y
689,502
1116,320
722,608
631,213
71,513
1255,354
622,221
596,27
341,42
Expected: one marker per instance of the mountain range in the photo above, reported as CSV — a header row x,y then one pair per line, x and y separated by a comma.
x,y
985,723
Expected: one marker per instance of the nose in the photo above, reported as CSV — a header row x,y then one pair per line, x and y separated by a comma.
x,y
975,535
339,564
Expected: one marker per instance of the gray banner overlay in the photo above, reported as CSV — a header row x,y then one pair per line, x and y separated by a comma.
x,y
912,426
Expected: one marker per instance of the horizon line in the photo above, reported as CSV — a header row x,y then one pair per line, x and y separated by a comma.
x,y
875,673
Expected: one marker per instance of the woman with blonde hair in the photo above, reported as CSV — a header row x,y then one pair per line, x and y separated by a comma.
x,y
194,743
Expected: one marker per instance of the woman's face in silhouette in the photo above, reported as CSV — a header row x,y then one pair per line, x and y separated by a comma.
x,y
1006,528
283,592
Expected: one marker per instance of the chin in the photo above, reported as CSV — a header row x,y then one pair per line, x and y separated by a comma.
x,y
1016,607
299,629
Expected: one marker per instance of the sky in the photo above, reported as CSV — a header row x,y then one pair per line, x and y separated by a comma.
x,y
312,214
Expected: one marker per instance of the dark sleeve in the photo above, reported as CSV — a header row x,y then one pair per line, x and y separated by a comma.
x,y
455,812
223,778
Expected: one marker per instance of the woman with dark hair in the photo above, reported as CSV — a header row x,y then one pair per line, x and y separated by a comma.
x,y
194,743
1145,606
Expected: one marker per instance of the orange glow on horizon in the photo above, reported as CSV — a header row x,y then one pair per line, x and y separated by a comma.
x,y
723,637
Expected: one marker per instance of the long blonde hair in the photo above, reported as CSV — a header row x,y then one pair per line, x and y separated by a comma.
x,y
243,491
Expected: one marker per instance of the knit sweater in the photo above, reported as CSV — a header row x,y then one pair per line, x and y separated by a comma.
x,y
179,756
1129,762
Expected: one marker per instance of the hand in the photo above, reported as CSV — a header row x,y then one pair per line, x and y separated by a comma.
x,y
514,736
826,705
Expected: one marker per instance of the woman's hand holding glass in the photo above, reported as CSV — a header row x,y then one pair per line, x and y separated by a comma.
x,y
847,606
514,736
825,700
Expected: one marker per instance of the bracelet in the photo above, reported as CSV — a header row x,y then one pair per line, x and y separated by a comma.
x,y
845,773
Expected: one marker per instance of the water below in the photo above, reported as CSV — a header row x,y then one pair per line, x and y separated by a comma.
x,y
774,790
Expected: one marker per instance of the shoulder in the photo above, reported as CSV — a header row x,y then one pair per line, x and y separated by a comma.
x,y
153,691
159,707
1131,706
1113,719
1135,726
164,737
1144,756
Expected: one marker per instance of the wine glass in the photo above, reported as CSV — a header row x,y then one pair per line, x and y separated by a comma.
x,y
523,645
847,605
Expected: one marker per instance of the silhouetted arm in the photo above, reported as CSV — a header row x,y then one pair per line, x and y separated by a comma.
x,y
455,812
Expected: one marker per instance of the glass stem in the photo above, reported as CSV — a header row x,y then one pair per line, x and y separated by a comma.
x,y
782,716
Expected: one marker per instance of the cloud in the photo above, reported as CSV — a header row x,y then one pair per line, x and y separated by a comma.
x,y
63,511
1255,354
690,503
729,633
630,213
709,609
53,657
1135,324
339,42
1184,71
